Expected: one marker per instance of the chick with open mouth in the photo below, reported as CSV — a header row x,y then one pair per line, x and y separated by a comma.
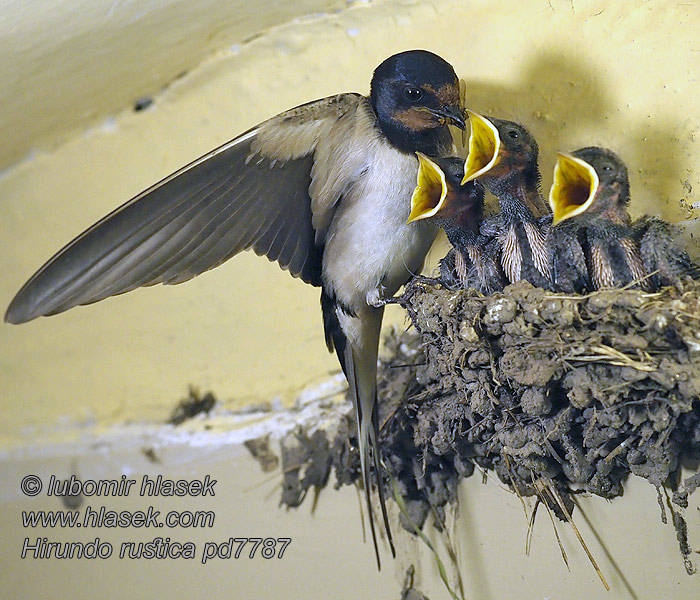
x,y
592,243
503,158
441,199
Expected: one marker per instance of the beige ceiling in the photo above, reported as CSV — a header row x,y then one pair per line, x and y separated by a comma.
x,y
68,64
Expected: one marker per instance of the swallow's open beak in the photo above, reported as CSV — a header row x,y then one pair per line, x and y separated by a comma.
x,y
573,189
484,147
431,190
449,115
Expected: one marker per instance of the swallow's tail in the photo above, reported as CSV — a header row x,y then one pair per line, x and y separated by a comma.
x,y
361,363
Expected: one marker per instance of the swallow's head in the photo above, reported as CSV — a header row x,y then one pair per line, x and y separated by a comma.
x,y
497,148
592,181
440,196
502,153
415,94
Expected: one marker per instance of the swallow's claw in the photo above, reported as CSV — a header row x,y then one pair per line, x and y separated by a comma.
x,y
376,298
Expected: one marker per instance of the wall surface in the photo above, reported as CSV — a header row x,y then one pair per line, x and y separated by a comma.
x,y
624,75
327,557
71,63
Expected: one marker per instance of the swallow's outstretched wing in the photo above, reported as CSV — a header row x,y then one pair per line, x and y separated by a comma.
x,y
253,192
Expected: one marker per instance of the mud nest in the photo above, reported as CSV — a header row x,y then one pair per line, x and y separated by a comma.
x,y
556,394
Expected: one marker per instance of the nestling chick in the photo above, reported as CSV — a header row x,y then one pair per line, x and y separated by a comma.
x,y
503,158
592,244
665,260
440,198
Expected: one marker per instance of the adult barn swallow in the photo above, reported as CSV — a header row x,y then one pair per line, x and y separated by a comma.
x,y
324,189
457,209
503,158
597,248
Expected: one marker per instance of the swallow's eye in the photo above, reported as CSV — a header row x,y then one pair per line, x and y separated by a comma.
x,y
607,168
412,94
513,134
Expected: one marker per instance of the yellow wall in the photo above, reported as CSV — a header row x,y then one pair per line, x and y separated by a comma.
x,y
620,74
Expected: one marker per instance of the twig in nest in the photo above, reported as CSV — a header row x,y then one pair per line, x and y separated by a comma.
x,y
557,498
449,546
611,356
539,489
522,502
531,528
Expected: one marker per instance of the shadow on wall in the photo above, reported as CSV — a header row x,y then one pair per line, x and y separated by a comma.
x,y
566,105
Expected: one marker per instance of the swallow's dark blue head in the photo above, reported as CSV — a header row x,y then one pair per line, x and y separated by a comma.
x,y
415,95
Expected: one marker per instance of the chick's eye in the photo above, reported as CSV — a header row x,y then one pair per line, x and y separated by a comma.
x,y
514,134
412,94
607,168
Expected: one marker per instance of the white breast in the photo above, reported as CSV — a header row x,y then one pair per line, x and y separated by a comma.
x,y
369,245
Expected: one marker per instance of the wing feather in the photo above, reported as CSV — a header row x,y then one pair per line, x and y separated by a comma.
x,y
252,192
224,243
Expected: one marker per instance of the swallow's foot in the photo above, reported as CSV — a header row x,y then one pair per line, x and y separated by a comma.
x,y
376,297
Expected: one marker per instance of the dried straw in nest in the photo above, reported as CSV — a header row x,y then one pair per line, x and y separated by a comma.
x,y
557,393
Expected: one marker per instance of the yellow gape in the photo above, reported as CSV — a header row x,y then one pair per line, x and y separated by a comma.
x,y
430,192
573,189
484,147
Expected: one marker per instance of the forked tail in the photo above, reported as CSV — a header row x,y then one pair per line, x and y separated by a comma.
x,y
361,365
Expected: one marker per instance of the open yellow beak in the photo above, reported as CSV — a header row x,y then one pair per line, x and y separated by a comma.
x,y
484,146
573,189
430,192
